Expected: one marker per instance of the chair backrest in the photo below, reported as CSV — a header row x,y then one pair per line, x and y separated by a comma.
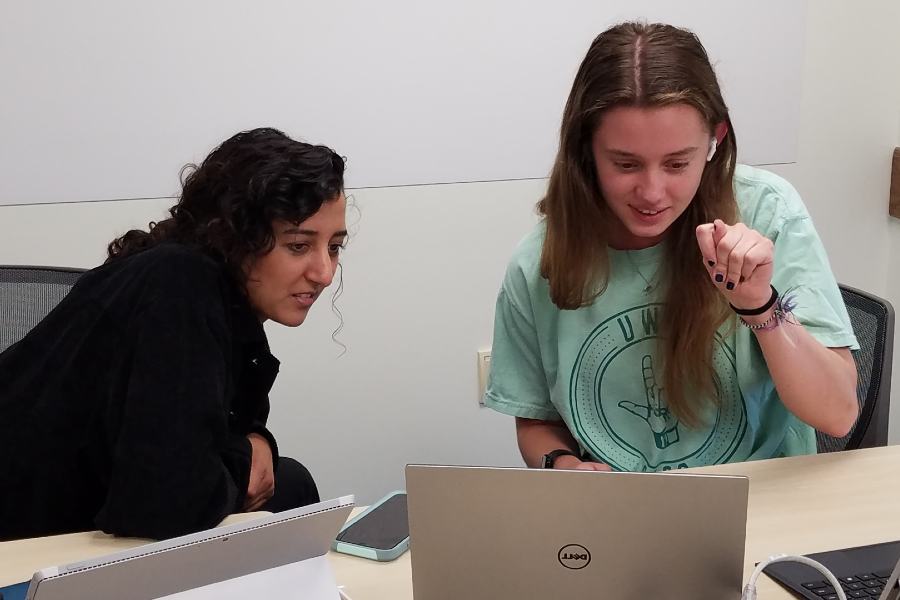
x,y
27,295
873,323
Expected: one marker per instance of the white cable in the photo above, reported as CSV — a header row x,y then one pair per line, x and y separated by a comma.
x,y
750,588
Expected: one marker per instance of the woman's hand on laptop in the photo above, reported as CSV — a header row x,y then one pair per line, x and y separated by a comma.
x,y
573,463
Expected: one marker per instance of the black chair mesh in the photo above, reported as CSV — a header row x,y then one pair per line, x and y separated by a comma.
x,y
27,295
869,318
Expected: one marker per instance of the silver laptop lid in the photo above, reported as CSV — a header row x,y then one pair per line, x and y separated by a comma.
x,y
892,587
199,559
505,534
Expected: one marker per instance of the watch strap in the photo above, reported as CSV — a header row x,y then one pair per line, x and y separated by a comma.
x,y
550,457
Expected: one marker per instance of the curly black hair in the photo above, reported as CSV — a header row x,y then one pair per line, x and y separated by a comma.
x,y
228,203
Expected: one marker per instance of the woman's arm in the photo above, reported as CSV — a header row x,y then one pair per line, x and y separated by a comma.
x,y
537,438
175,465
816,383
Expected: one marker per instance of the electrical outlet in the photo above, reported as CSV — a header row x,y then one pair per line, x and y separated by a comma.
x,y
484,367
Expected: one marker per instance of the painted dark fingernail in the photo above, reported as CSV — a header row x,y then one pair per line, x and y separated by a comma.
x,y
711,263
719,278
729,286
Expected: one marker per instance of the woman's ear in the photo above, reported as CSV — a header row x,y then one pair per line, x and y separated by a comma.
x,y
721,130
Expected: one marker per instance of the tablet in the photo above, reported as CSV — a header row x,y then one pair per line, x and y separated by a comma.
x,y
200,559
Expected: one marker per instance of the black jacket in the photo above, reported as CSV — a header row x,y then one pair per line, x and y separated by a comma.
x,y
127,408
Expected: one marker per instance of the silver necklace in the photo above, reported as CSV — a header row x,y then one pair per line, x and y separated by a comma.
x,y
648,285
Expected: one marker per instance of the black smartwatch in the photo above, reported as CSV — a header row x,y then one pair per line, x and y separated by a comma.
x,y
550,458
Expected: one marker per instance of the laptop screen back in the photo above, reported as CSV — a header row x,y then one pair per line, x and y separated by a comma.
x,y
501,534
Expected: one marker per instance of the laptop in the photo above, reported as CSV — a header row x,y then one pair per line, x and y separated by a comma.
x,y
863,572
485,533
278,556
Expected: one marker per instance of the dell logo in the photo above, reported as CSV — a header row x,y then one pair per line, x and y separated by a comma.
x,y
574,556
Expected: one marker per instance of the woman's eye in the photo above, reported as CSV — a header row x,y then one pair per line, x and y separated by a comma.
x,y
626,166
679,165
298,248
335,248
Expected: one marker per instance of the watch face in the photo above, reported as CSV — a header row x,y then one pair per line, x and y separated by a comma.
x,y
551,457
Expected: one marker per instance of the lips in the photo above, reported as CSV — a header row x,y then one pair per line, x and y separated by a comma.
x,y
649,215
306,299
648,212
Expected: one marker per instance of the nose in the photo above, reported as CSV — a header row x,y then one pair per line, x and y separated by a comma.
x,y
321,268
652,186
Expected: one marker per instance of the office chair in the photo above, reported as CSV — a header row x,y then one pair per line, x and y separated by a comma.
x,y
873,323
27,295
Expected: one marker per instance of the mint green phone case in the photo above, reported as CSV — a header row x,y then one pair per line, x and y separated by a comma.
x,y
379,554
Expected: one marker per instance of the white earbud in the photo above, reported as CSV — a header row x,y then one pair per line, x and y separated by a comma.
x,y
712,149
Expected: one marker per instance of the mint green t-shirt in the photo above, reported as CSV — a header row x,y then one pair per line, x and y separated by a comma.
x,y
596,368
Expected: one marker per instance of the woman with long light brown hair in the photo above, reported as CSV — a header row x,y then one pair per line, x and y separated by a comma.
x,y
673,308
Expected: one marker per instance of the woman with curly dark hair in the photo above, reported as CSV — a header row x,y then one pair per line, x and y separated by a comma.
x,y
138,406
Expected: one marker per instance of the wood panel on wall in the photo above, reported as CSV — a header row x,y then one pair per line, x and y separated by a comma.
x,y
895,185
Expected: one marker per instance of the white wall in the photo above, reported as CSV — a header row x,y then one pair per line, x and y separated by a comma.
x,y
422,272
850,124
403,87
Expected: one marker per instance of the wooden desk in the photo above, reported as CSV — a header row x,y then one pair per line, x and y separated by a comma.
x,y
816,503
797,506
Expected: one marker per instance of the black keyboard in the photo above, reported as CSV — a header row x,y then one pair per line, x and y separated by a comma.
x,y
862,585
862,572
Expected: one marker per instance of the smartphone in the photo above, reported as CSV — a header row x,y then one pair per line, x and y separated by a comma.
x,y
380,532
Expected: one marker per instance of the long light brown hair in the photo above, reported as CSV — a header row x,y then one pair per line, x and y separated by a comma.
x,y
643,65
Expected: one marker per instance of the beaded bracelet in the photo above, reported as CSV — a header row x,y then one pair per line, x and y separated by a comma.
x,y
771,323
783,307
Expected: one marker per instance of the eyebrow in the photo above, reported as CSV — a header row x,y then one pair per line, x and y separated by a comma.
x,y
681,152
298,231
